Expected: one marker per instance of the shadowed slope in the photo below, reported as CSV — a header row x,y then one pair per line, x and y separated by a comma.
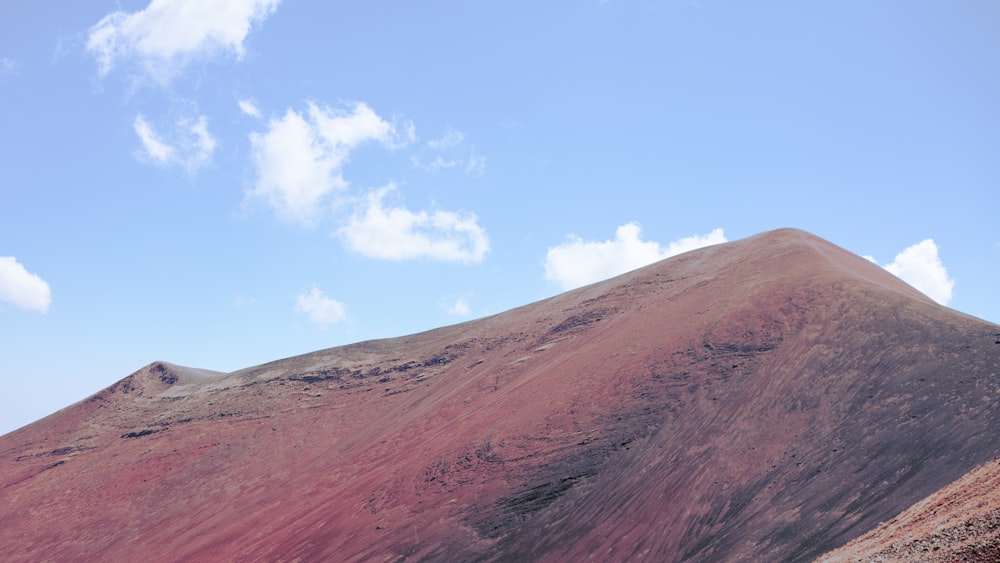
x,y
766,399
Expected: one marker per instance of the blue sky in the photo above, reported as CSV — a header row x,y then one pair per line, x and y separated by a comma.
x,y
220,184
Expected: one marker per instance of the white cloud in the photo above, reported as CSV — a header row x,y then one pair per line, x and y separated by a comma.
x,y
437,164
168,34
397,233
920,266
300,156
460,307
577,263
450,139
22,288
155,149
190,144
403,134
694,242
349,128
320,309
248,107
203,144
448,145
476,164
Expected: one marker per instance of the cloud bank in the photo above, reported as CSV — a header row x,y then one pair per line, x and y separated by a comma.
x,y
168,34
320,309
22,288
576,262
920,266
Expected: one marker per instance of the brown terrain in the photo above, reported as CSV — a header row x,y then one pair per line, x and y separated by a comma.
x,y
768,399
957,523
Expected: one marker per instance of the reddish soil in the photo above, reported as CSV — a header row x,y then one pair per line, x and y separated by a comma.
x,y
767,399
961,522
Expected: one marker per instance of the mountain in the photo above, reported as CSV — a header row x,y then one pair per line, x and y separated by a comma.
x,y
766,399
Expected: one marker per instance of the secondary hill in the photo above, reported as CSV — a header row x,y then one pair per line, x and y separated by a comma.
x,y
765,399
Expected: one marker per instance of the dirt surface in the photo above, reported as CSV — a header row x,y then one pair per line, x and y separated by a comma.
x,y
958,523
767,399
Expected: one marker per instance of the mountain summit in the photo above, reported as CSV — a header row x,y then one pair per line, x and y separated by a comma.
x,y
766,399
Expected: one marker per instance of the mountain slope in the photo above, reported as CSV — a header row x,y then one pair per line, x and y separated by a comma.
x,y
960,522
766,399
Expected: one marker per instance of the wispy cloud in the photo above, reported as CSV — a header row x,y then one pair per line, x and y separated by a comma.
x,y
458,307
450,139
920,266
475,164
320,309
299,158
154,148
8,66
168,34
397,233
248,107
576,262
22,288
448,152
439,163
189,143
241,303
